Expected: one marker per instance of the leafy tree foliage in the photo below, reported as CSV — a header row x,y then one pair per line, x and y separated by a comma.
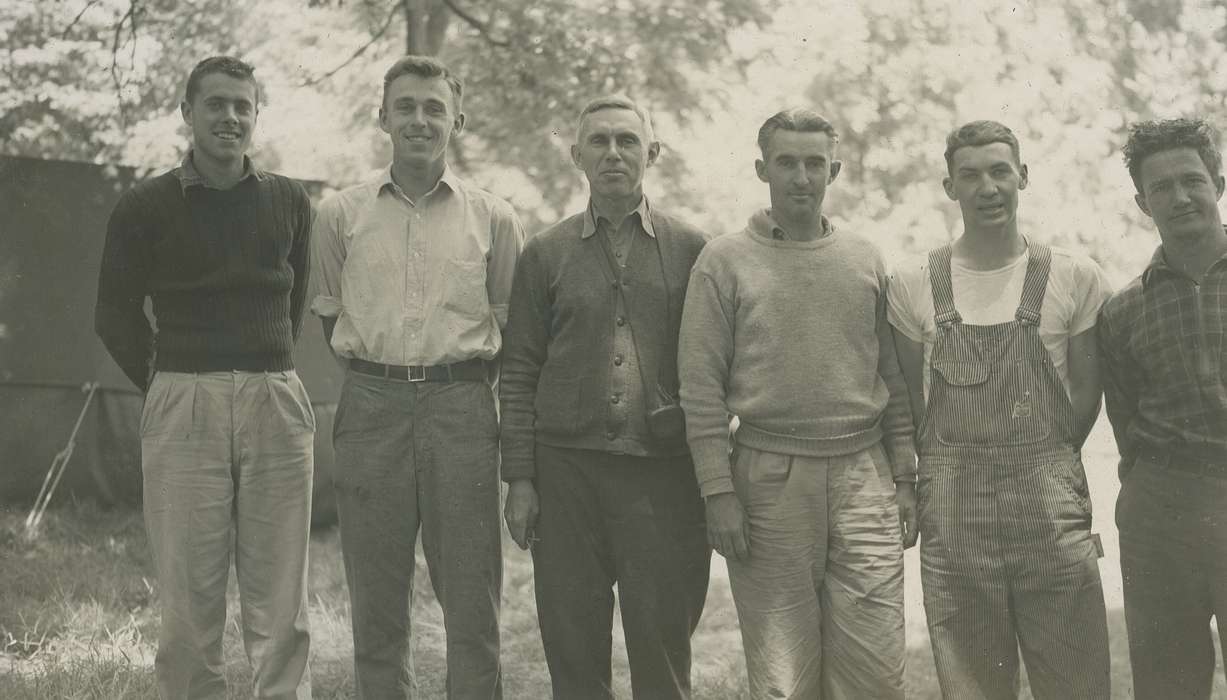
x,y
96,80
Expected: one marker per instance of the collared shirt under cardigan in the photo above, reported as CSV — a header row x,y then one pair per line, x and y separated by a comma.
x,y
226,270
1163,342
561,353
420,282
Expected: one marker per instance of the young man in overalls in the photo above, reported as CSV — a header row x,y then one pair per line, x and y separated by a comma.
x,y
995,336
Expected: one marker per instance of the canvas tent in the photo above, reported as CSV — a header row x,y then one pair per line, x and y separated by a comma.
x,y
53,218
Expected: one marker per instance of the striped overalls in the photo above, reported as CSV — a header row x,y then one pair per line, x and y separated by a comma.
x,y
1007,556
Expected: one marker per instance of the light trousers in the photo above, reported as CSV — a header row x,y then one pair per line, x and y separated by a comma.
x,y
227,459
820,599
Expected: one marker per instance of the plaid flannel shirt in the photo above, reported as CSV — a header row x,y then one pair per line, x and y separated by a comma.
x,y
1163,350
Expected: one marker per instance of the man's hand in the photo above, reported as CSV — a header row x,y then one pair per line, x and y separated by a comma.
x,y
728,529
905,497
520,511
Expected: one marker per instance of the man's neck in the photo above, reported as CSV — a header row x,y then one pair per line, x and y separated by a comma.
x,y
615,209
989,249
416,180
801,229
220,175
1194,257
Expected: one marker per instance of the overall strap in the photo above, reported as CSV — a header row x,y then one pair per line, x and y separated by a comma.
x,y
1035,284
943,290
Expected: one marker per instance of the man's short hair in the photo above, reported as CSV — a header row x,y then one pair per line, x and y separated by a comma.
x,y
1150,137
226,65
981,132
425,67
617,102
796,119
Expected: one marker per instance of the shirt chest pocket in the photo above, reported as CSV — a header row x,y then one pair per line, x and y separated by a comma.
x,y
464,287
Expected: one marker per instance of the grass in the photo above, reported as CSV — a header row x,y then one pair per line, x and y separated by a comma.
x,y
78,615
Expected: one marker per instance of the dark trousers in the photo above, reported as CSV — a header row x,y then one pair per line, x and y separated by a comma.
x,y
1173,560
410,457
634,521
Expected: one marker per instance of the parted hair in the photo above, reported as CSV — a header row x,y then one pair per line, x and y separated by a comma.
x,y
1147,138
616,101
981,133
226,65
424,67
796,119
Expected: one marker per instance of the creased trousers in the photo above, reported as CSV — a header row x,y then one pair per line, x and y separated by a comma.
x,y
422,457
634,521
227,460
820,599
1173,558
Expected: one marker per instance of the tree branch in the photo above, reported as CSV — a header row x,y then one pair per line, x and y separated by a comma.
x,y
76,19
119,30
387,22
482,27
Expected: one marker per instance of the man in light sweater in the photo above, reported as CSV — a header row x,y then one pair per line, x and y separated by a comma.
x,y
785,327
996,340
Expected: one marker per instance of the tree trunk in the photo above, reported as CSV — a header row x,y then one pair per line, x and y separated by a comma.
x,y
426,23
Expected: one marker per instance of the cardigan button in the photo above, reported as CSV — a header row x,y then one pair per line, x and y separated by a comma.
x,y
610,435
617,360
621,321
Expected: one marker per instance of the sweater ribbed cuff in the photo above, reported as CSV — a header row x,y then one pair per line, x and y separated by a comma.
x,y
711,465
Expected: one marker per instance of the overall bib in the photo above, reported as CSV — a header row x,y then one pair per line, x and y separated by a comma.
x,y
1007,556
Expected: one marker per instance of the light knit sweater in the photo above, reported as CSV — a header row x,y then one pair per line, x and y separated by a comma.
x,y
792,338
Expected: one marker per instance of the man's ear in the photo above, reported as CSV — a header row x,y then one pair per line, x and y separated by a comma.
x,y
458,125
948,185
653,154
761,168
575,156
383,120
1023,176
1219,182
185,109
1140,199
836,166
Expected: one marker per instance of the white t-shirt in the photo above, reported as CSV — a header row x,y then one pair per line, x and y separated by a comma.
x,y
1077,287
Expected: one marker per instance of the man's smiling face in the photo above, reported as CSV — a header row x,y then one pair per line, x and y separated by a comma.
x,y
420,116
222,116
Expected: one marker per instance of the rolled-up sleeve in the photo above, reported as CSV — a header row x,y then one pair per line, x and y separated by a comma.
x,y
506,244
328,257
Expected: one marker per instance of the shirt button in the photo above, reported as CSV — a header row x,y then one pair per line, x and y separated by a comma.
x,y
614,399
610,435
620,321
617,360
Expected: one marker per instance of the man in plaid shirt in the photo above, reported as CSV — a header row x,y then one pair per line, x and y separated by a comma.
x,y
1163,343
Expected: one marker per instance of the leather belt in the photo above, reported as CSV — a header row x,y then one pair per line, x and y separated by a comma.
x,y
473,370
1175,460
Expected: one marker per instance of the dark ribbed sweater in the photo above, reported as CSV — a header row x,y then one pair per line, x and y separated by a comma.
x,y
226,271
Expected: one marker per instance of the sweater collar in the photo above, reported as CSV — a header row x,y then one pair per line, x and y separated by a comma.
x,y
189,176
763,225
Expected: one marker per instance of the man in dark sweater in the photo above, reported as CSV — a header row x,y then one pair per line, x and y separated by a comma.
x,y
593,446
227,428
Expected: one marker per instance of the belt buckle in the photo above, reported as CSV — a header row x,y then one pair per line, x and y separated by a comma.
x,y
416,376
